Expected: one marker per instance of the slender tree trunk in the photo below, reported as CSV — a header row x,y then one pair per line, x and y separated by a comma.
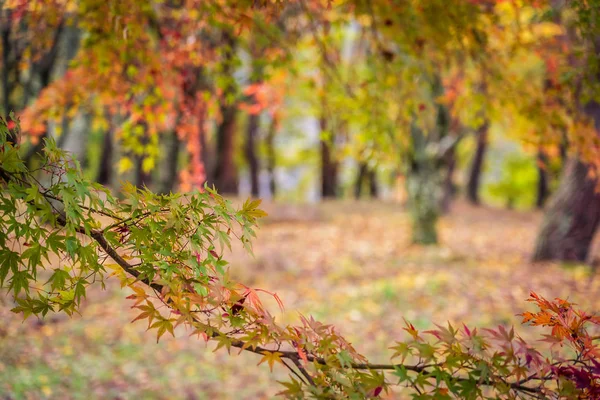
x,y
328,166
543,187
168,169
477,164
250,150
573,215
225,173
270,142
373,187
105,170
360,178
6,64
366,174
225,176
7,68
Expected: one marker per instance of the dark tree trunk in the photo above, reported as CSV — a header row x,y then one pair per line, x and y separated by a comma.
x,y
328,166
573,215
571,219
270,142
366,174
6,64
250,150
225,176
543,186
477,164
360,178
564,147
373,187
225,172
105,170
7,68
168,169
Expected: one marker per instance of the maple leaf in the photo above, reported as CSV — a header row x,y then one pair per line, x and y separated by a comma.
x,y
163,326
411,330
271,358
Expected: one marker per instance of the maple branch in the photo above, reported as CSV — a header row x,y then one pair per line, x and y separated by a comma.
x,y
293,356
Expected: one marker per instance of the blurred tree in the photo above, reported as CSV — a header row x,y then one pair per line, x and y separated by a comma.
x,y
329,166
226,175
571,220
366,175
476,168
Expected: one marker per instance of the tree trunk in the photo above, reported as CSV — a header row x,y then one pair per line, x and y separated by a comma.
x,y
250,150
373,187
168,168
225,172
270,142
225,175
572,217
105,170
328,166
477,164
366,174
449,189
422,188
543,187
362,172
8,66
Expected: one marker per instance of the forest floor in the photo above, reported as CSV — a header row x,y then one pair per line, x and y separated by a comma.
x,y
346,263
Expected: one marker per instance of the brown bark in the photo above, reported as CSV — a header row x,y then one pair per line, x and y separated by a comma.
x,y
225,172
250,151
572,217
360,178
373,188
105,170
270,142
225,175
543,186
328,166
477,165
366,174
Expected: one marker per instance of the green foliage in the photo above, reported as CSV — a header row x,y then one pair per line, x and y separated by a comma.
x,y
517,186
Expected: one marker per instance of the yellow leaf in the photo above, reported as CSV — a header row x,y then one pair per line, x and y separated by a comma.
x,y
125,164
271,358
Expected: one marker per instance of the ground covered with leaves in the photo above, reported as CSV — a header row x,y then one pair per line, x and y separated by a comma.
x,y
349,264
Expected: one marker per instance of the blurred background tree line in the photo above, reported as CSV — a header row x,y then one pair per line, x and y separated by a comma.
x,y
305,100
